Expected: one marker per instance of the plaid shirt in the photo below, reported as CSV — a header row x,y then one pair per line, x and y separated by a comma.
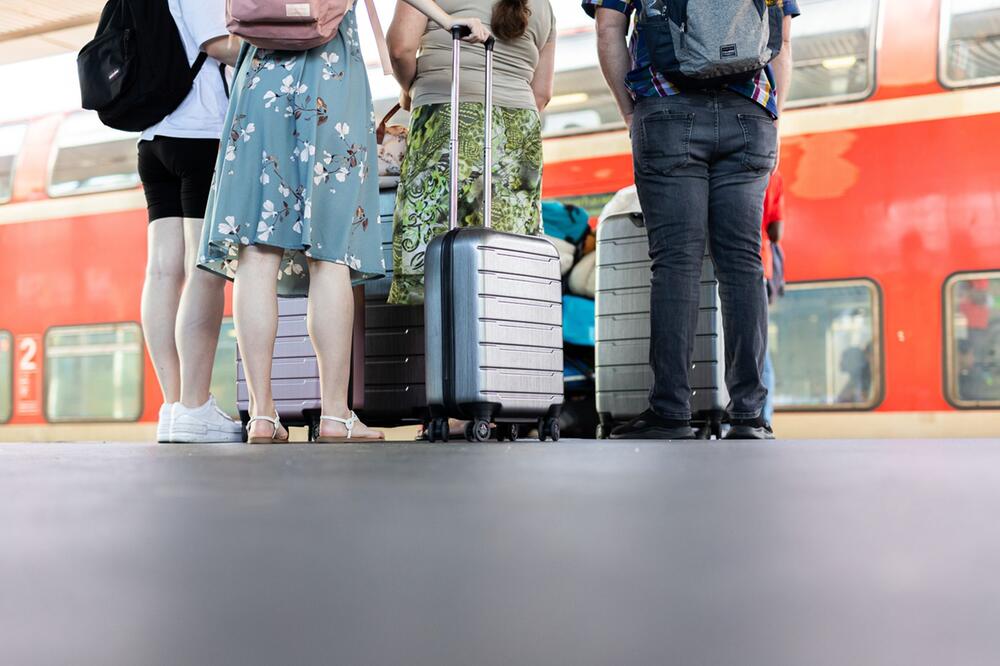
x,y
645,81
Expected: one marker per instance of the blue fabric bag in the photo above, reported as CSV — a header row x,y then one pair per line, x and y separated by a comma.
x,y
578,320
577,375
566,222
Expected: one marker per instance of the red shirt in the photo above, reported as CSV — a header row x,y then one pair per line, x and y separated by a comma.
x,y
774,211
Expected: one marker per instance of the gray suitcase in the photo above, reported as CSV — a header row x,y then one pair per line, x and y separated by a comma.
x,y
622,371
394,391
493,306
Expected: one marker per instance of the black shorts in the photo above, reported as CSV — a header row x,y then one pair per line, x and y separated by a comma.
x,y
177,175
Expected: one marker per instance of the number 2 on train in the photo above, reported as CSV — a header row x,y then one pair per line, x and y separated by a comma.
x,y
28,397
29,350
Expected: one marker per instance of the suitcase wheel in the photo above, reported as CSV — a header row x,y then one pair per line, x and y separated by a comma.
x,y
477,431
509,432
437,430
548,429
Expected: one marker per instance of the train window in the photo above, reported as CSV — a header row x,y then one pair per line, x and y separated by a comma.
x,y
11,139
972,340
94,373
6,376
224,370
970,42
581,101
833,44
825,345
90,157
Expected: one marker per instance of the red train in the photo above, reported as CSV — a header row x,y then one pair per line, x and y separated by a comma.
x,y
891,325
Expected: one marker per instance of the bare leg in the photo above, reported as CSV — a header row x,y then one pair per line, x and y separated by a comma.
x,y
255,310
161,293
199,319
331,318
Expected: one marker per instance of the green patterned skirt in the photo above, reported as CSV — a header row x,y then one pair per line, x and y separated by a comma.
x,y
423,197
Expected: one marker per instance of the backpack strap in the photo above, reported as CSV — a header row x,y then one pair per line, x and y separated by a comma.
x,y
199,62
225,81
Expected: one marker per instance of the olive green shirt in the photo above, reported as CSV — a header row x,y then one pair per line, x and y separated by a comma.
x,y
514,62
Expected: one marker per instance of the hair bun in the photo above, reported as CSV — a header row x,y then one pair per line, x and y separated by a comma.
x,y
510,19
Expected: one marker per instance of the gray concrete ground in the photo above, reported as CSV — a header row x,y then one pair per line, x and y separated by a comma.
x,y
578,553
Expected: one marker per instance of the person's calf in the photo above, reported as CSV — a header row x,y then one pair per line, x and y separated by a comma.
x,y
158,313
199,322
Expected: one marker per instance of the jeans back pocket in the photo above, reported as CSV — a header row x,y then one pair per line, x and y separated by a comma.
x,y
665,141
760,150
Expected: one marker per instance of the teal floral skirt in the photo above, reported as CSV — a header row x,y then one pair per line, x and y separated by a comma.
x,y
298,168
422,200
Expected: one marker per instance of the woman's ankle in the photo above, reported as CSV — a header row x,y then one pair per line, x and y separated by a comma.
x,y
340,411
266,409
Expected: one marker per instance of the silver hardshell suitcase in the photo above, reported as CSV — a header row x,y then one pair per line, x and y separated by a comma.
x,y
493,307
623,375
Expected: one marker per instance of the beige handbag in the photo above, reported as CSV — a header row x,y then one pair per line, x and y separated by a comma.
x,y
391,145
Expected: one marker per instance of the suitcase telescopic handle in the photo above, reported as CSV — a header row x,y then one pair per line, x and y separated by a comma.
x,y
458,33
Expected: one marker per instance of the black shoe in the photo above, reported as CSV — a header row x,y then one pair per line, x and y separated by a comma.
x,y
650,425
756,428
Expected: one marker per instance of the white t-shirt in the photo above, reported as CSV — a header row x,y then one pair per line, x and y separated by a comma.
x,y
202,114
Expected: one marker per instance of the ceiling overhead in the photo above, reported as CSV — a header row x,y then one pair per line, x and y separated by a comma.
x,y
37,28
28,18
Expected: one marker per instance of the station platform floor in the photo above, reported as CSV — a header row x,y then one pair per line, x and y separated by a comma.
x,y
578,553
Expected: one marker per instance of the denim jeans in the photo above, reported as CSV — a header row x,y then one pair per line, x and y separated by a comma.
x,y
702,161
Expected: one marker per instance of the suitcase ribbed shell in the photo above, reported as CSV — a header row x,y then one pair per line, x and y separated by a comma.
x,y
622,371
506,295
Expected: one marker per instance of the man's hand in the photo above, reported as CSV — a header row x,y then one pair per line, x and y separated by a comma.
x,y
628,122
777,148
775,231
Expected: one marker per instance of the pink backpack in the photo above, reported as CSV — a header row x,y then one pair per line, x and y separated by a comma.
x,y
298,25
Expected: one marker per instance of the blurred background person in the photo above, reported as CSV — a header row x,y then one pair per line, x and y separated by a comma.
x,y
856,363
773,257
975,381
976,305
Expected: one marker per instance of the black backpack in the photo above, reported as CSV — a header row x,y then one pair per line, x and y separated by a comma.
x,y
135,72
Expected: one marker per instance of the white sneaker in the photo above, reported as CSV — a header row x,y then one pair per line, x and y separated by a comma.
x,y
164,421
204,424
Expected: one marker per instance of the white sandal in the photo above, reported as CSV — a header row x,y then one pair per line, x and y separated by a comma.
x,y
273,439
348,423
